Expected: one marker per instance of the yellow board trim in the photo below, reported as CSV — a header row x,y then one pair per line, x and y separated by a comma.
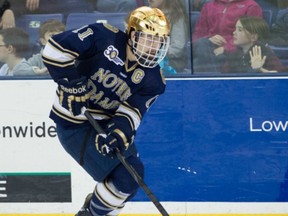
x,y
152,214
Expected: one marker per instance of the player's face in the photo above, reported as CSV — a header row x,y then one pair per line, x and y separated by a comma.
x,y
240,36
148,44
147,49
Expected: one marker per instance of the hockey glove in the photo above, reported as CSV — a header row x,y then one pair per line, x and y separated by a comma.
x,y
109,144
73,95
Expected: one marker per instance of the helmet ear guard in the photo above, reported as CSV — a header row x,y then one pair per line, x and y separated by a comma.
x,y
151,39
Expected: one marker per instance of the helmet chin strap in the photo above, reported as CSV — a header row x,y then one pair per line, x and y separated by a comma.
x,y
132,51
131,46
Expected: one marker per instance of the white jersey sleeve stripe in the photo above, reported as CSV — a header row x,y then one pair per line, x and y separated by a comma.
x,y
132,114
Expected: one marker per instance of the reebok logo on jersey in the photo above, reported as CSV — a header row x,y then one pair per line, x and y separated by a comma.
x,y
74,90
112,54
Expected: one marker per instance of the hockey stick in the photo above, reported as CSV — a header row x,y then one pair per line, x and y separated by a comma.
x,y
129,168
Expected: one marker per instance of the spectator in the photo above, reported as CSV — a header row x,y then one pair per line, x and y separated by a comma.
x,y
46,30
14,42
253,54
213,34
7,16
175,12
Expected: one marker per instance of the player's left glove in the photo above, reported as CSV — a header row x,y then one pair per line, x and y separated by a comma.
x,y
108,145
74,95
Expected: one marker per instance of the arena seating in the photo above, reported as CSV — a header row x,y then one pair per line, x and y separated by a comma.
x,y
31,23
76,20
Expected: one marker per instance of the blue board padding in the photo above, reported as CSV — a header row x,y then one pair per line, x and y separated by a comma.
x,y
197,145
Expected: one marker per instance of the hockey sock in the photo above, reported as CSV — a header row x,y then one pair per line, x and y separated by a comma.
x,y
106,199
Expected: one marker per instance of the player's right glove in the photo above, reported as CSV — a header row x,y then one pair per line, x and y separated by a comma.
x,y
109,144
74,95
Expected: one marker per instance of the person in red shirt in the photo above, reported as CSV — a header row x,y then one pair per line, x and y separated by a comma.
x,y
213,33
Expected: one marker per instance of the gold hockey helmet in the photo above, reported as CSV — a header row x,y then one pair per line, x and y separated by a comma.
x,y
149,20
151,39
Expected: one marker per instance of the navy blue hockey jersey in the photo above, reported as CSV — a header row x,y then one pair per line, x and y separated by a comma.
x,y
120,90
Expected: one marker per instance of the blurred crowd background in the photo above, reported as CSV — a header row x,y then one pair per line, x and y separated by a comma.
x,y
205,38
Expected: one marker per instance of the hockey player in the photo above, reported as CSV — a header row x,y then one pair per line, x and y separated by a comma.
x,y
116,76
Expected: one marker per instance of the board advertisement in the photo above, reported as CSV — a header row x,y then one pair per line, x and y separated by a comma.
x,y
209,146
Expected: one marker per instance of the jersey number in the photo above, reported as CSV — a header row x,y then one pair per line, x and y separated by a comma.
x,y
84,34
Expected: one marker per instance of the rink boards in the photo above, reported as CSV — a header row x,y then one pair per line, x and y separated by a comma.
x,y
210,147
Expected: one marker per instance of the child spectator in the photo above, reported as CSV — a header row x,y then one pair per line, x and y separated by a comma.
x,y
14,43
214,29
175,12
7,19
253,54
46,30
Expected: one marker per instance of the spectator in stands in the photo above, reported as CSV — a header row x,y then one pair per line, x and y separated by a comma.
x,y
213,33
179,36
253,54
7,19
46,30
14,42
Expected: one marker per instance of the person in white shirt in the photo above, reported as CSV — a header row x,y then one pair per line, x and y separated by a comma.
x,y
14,42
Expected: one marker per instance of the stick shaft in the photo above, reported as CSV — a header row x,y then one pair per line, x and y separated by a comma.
x,y
129,168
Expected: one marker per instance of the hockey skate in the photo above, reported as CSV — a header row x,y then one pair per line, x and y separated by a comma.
x,y
84,210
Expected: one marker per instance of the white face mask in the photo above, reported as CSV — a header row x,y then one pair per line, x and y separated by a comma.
x,y
148,49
